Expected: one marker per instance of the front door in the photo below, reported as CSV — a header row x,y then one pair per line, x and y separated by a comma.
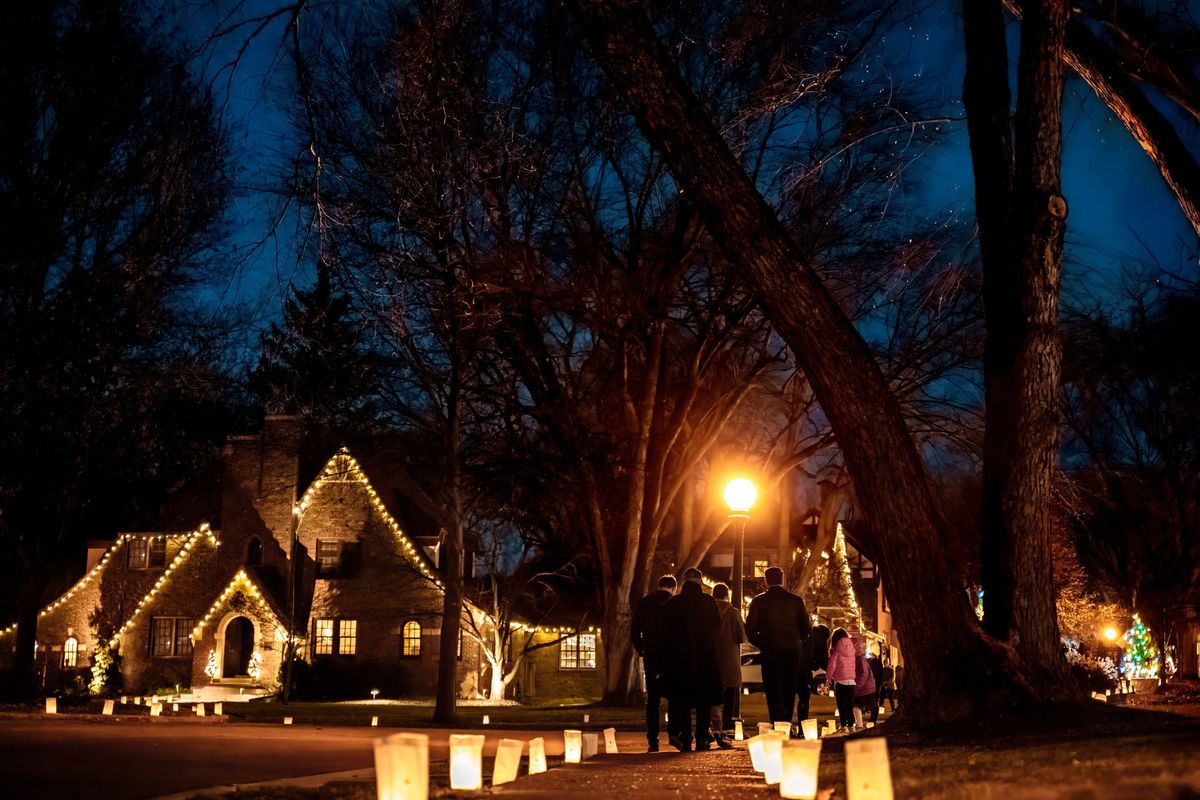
x,y
239,644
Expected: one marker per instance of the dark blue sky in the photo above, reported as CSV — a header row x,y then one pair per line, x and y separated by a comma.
x,y
1121,212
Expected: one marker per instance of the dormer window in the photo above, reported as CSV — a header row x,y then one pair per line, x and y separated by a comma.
x,y
254,551
338,559
147,552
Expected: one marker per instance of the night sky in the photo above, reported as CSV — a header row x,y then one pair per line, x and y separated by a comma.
x,y
1121,213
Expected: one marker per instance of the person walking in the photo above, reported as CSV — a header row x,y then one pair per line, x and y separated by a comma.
x,y
649,633
693,676
839,676
876,665
778,625
729,660
864,685
814,657
887,686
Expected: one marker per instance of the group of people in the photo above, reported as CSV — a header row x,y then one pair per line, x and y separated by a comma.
x,y
691,642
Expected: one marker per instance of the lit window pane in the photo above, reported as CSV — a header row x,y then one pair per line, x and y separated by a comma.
x,y
161,634
347,637
411,640
323,640
70,652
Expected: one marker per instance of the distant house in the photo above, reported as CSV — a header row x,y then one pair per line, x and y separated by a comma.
x,y
211,599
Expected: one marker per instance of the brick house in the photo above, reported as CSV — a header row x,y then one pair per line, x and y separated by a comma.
x,y
205,601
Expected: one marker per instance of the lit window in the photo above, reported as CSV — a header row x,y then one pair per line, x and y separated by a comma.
x,y
323,638
138,549
70,651
329,558
171,636
347,637
760,567
410,643
577,652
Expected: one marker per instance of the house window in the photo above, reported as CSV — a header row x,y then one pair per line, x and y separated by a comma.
x,y
347,637
70,652
577,652
323,638
329,558
760,567
158,552
410,639
138,549
254,551
335,637
171,636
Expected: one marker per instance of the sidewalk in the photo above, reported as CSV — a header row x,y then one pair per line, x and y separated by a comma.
x,y
713,774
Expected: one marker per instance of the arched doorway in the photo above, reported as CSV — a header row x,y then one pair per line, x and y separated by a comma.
x,y
239,645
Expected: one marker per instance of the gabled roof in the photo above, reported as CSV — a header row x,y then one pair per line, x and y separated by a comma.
x,y
343,467
189,543
242,581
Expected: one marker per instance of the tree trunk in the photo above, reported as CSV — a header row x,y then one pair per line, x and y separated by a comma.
x,y
618,649
1022,219
24,672
452,605
954,668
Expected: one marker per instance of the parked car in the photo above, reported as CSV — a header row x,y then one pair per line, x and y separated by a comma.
x,y
752,674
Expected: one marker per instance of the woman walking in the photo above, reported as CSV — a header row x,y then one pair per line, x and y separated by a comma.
x,y
839,676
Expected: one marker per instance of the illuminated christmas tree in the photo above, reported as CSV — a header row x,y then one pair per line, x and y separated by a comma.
x,y
1141,656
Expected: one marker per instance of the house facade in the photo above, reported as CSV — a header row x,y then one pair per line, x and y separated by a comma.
x,y
341,565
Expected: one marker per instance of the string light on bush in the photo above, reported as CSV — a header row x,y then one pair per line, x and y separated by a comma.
x,y
344,468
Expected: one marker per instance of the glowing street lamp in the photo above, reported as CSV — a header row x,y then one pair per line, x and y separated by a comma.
x,y
1110,634
740,494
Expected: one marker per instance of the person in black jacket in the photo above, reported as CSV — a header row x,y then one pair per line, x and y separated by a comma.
x,y
813,656
649,634
779,626
693,675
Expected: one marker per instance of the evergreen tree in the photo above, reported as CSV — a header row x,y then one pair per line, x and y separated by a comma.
x,y
316,364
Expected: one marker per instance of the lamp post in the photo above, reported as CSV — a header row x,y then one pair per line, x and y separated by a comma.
x,y
740,494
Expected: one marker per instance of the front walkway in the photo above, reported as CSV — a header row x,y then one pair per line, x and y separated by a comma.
x,y
711,775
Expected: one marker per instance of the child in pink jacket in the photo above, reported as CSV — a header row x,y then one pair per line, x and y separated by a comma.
x,y
864,684
840,675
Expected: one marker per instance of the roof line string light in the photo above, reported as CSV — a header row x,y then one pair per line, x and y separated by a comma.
x,y
241,578
344,466
205,532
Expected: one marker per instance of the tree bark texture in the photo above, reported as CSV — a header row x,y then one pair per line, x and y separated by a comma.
x,y
952,661
1022,220
1093,61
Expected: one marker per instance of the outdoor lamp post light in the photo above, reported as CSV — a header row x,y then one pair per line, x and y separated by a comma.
x,y
537,755
508,761
402,767
466,761
1111,634
800,760
572,746
740,494
868,776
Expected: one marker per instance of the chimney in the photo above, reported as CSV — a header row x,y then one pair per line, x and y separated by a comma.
x,y
261,472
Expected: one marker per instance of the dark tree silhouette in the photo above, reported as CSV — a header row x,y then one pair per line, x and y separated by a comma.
x,y
111,183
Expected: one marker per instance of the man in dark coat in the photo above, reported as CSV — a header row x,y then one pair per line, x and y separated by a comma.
x,y
876,665
779,626
649,634
693,675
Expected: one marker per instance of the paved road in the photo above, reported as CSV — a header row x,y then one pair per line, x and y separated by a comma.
x,y
116,759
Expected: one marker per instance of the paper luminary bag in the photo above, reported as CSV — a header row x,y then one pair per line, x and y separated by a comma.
x,y
537,755
402,767
610,740
572,746
800,761
508,761
466,761
868,775
591,745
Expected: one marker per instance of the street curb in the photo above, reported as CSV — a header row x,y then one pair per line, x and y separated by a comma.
x,y
364,775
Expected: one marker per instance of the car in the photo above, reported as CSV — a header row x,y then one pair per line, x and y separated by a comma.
x,y
752,674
